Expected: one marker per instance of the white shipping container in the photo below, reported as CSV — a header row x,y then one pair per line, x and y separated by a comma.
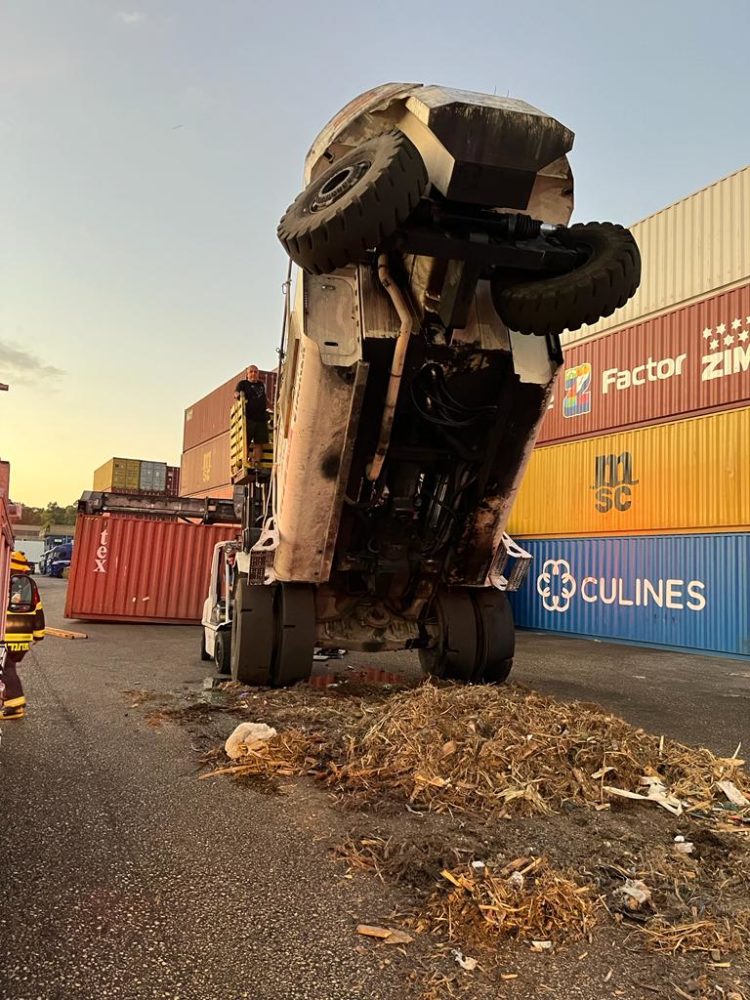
x,y
690,249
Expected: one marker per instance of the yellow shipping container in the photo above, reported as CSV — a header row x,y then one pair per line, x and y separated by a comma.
x,y
110,476
118,474
679,477
132,474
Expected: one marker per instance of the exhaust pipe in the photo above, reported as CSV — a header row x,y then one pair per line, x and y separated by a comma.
x,y
397,367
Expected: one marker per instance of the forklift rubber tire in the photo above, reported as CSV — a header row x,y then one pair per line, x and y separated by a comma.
x,y
605,281
497,636
222,653
354,205
204,653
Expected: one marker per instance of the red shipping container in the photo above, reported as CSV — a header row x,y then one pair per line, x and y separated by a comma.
x,y
173,481
682,364
5,480
209,417
205,466
135,569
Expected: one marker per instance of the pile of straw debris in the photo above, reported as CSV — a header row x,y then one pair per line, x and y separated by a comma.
x,y
502,752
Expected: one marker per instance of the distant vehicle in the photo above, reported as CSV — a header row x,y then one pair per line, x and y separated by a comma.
x,y
59,559
33,549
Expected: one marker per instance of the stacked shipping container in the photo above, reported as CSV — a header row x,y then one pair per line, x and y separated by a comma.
x,y
644,450
131,475
205,455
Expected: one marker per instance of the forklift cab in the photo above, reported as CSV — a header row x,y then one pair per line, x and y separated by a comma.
x,y
216,621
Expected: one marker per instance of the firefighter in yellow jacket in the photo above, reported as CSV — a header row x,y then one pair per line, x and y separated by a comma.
x,y
24,625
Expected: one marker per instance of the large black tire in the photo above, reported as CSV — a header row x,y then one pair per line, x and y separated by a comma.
x,y
605,281
355,205
497,636
295,640
253,634
454,655
222,652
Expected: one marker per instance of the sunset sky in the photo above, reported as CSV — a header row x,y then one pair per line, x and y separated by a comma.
x,y
148,152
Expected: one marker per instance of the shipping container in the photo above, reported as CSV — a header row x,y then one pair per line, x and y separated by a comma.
x,y
209,417
5,480
223,492
118,474
684,476
137,569
686,591
690,249
153,477
205,466
692,360
173,481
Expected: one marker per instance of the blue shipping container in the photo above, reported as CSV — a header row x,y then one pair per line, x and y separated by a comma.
x,y
687,591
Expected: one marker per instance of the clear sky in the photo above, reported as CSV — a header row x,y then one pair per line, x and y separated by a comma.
x,y
148,148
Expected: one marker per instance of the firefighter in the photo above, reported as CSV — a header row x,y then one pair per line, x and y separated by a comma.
x,y
24,625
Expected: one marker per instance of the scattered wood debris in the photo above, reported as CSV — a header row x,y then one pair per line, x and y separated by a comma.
x,y
64,633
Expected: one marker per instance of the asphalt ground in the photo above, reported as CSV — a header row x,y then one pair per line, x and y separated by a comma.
x,y
124,877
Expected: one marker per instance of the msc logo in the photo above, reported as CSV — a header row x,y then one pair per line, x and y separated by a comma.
x,y
577,398
613,482
556,585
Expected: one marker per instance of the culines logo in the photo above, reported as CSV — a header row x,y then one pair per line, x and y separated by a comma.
x,y
556,585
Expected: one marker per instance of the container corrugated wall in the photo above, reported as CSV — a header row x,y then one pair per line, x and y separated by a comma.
x,y
206,466
137,569
5,481
689,475
209,417
696,246
691,360
686,591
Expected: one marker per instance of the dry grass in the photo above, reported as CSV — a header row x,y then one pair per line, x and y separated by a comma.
x,y
525,899
502,752
705,935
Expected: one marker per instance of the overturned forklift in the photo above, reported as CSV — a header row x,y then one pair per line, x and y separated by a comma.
x,y
436,273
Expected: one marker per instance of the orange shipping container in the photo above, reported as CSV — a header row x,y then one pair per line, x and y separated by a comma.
x,y
137,569
680,477
205,466
225,492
